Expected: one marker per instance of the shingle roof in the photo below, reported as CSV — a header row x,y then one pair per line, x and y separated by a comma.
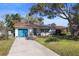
x,y
27,25
57,27
22,25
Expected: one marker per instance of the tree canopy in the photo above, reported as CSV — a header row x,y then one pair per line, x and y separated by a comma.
x,y
33,20
11,19
53,24
66,11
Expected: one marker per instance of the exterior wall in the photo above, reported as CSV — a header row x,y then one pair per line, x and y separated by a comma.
x,y
45,34
0,33
10,33
30,31
16,32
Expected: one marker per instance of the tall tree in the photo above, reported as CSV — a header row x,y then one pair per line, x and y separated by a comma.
x,y
41,20
10,20
1,25
15,18
53,24
34,20
3,31
66,11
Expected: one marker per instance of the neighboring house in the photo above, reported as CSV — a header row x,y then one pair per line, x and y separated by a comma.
x,y
23,29
56,29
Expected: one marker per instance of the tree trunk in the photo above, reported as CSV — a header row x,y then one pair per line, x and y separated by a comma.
x,y
73,29
6,33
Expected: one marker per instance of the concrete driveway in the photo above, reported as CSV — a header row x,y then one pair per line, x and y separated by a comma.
x,y
29,48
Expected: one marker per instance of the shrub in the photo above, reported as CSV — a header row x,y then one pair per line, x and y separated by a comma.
x,y
49,39
3,37
58,32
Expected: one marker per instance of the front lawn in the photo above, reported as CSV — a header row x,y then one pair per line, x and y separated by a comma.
x,y
5,46
62,47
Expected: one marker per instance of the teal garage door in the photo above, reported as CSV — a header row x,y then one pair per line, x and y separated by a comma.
x,y
22,32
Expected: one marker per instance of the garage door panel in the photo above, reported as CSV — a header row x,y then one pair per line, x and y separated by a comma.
x,y
22,32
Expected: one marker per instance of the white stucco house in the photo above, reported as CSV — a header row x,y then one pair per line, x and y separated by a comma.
x,y
24,30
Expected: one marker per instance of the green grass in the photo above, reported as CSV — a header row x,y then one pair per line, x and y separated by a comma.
x,y
5,46
62,47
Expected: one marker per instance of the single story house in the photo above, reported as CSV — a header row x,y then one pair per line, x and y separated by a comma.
x,y
23,29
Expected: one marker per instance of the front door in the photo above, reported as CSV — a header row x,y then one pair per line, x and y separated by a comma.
x,y
22,32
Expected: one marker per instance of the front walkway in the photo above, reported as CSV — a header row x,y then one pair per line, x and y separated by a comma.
x,y
29,48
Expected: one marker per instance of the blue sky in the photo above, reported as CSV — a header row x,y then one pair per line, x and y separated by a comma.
x,y
23,9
